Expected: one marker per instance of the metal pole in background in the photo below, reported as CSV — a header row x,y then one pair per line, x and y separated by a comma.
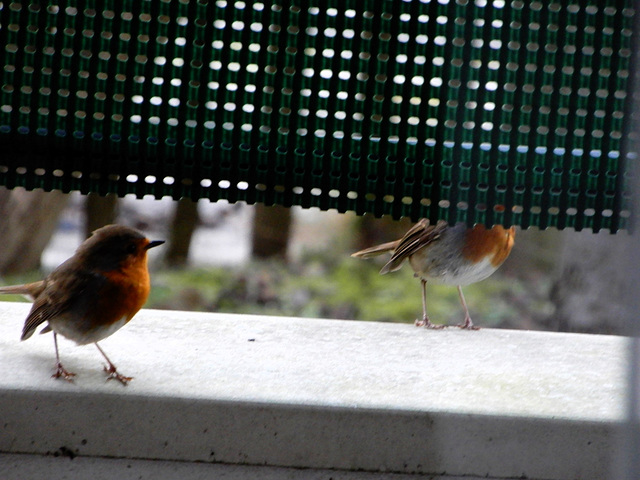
x,y
627,464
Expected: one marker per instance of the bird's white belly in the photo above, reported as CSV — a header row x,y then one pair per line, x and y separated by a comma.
x,y
81,337
460,273
468,275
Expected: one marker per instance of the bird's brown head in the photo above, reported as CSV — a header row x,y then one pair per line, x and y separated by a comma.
x,y
115,247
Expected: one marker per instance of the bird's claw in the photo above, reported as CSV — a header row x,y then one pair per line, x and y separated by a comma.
x,y
114,375
426,323
63,373
467,325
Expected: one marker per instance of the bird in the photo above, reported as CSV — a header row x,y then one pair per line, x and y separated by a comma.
x,y
450,255
92,294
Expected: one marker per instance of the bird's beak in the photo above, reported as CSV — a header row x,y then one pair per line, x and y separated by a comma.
x,y
154,243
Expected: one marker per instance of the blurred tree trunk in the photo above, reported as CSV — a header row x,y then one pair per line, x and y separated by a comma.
x,y
99,211
184,223
27,223
370,231
271,231
592,284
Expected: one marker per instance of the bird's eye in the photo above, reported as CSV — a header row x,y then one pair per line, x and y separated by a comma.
x,y
132,248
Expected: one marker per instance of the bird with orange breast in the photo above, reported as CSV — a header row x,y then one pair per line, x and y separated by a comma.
x,y
92,294
449,255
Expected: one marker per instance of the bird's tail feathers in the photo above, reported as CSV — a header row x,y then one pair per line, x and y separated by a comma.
x,y
30,290
377,250
392,265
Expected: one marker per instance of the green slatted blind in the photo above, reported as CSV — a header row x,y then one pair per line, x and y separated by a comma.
x,y
485,111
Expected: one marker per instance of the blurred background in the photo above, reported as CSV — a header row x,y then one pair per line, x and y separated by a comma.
x,y
238,258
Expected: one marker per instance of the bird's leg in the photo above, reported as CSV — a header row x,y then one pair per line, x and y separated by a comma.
x,y
61,372
425,322
468,324
111,369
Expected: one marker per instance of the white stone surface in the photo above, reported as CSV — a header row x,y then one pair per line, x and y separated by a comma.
x,y
320,394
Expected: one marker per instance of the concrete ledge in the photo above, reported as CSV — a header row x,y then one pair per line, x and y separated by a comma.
x,y
34,467
319,394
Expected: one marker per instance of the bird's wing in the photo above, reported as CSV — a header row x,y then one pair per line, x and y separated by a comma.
x,y
419,236
63,292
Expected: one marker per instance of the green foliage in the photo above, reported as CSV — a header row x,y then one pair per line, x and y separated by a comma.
x,y
344,288
330,284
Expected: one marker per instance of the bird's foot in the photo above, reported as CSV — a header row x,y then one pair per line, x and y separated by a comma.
x,y
426,323
114,375
63,373
467,325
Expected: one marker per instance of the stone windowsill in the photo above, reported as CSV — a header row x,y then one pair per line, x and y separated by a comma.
x,y
318,394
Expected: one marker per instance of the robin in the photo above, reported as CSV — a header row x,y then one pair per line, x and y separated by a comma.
x,y
447,255
92,294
